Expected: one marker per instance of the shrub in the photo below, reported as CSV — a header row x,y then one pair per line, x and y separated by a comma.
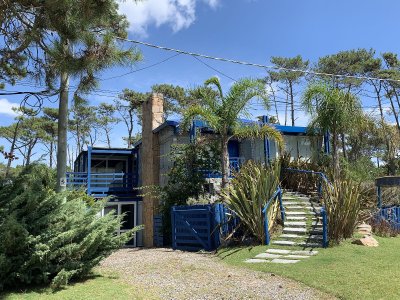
x,y
48,237
343,204
186,179
383,228
248,193
301,182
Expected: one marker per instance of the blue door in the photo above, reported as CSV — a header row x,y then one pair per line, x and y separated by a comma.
x,y
233,149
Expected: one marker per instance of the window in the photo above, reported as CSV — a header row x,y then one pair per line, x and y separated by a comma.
x,y
129,220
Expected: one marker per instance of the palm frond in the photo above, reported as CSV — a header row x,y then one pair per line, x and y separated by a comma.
x,y
255,131
215,82
203,113
240,94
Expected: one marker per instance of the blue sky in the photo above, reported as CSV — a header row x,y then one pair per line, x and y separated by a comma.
x,y
247,30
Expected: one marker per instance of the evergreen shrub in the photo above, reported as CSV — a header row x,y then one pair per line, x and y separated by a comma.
x,y
48,237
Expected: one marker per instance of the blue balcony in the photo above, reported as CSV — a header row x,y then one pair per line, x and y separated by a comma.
x,y
234,166
102,184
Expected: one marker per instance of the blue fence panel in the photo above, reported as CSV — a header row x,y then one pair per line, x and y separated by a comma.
x,y
392,215
200,227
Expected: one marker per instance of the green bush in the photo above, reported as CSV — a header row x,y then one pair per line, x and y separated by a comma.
x,y
186,179
302,182
248,193
48,237
343,204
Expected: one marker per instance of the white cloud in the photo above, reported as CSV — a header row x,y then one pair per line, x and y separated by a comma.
x,y
178,14
6,107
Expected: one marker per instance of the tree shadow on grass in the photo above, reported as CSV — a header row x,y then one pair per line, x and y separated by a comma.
x,y
42,289
228,251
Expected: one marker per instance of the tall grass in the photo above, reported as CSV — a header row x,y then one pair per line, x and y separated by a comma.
x,y
248,193
343,205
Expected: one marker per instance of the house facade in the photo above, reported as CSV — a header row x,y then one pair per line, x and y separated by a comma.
x,y
119,172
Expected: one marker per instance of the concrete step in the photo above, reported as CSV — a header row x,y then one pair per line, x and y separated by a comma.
x,y
291,218
294,230
302,244
296,218
309,245
304,252
297,207
279,251
294,256
295,223
300,213
268,256
284,243
284,261
316,237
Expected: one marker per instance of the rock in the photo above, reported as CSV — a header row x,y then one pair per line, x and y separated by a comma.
x,y
367,240
364,229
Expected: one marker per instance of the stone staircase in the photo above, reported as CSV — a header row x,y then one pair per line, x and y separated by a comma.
x,y
302,231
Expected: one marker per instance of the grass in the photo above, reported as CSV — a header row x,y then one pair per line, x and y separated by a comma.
x,y
347,271
98,286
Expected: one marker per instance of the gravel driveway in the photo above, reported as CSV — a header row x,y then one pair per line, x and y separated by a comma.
x,y
182,275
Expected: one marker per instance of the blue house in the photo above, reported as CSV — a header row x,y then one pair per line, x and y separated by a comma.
x,y
119,172
104,172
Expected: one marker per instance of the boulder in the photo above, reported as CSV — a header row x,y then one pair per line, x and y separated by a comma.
x,y
367,240
364,229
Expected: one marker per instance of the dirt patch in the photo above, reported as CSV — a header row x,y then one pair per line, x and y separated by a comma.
x,y
182,275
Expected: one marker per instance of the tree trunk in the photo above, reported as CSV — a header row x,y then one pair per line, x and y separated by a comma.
x,y
62,128
51,152
29,152
291,101
378,97
108,139
224,161
12,148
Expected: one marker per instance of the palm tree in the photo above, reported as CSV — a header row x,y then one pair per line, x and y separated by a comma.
x,y
332,110
221,113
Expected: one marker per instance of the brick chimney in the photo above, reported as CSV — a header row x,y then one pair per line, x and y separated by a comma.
x,y
152,117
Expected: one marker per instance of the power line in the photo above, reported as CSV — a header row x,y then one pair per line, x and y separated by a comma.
x,y
245,63
141,69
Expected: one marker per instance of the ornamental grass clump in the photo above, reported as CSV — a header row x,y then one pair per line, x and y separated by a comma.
x,y
248,193
342,202
50,238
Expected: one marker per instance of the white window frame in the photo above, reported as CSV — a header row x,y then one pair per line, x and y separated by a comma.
x,y
119,210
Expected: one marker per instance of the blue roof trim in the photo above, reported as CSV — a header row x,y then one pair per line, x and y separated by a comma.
x,y
290,129
166,124
113,151
285,130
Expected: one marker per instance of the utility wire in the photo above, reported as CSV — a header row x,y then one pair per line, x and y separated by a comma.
x,y
141,69
245,63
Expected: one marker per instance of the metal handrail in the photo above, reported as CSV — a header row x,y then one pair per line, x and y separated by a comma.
x,y
322,175
277,193
324,215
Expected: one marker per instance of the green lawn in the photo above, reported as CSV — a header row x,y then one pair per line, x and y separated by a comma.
x,y
99,286
347,271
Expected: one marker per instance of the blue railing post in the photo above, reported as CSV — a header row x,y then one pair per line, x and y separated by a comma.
x,y
282,208
267,236
173,228
325,241
320,187
379,192
217,224
89,166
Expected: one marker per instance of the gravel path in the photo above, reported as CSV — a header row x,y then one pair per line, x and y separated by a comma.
x,y
182,275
